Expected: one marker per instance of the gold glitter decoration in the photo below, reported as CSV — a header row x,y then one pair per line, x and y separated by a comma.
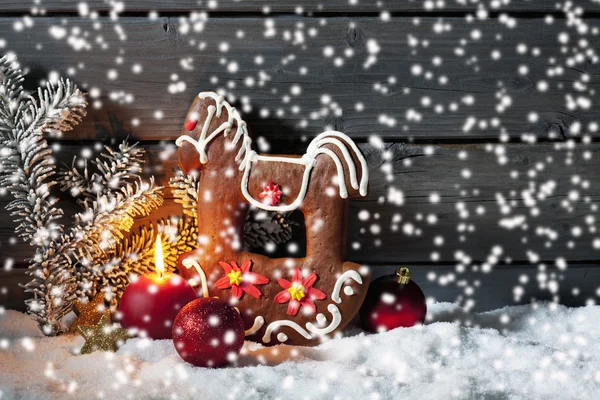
x,y
104,336
88,313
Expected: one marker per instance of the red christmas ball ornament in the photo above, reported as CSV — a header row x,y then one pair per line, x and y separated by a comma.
x,y
208,332
151,302
392,302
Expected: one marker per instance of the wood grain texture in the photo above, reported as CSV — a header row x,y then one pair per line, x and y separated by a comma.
x,y
488,291
482,98
258,6
398,221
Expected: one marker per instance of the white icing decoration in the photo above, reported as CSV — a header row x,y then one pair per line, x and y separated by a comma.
x,y
249,156
335,295
275,325
258,323
348,291
189,263
321,319
335,322
282,337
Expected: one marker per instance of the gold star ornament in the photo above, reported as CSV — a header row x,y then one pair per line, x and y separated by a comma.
x,y
104,336
88,313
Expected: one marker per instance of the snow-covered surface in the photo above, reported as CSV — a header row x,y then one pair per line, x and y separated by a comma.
x,y
524,352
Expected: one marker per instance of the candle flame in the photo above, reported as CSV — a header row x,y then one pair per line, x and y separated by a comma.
x,y
159,262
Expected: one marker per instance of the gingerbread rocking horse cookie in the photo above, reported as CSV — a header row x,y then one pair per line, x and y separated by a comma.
x,y
282,300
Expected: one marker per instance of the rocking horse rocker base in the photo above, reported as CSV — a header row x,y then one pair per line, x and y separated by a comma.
x,y
270,324
298,301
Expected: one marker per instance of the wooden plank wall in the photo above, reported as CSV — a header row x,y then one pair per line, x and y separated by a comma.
x,y
473,116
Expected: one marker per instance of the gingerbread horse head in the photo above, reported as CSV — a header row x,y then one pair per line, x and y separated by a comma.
x,y
282,300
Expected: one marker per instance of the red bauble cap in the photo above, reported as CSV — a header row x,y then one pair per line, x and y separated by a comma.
x,y
208,332
392,302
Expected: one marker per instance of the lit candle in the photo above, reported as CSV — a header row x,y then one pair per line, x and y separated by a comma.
x,y
151,302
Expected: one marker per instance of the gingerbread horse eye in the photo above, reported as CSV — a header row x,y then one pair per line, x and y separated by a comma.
x,y
190,124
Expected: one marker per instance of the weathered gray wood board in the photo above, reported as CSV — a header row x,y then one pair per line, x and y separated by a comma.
x,y
267,6
388,228
399,101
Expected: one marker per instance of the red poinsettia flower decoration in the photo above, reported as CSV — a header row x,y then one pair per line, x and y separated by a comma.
x,y
271,194
241,279
299,292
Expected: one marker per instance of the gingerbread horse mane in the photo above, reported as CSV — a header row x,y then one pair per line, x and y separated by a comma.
x,y
246,156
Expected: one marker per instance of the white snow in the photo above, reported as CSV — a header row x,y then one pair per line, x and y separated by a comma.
x,y
57,32
523,352
513,222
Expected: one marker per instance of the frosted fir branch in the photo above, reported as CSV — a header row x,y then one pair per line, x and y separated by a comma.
x,y
98,230
27,167
113,169
100,226
56,281
106,259
26,164
122,164
11,94
59,107
53,287
77,182
26,170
